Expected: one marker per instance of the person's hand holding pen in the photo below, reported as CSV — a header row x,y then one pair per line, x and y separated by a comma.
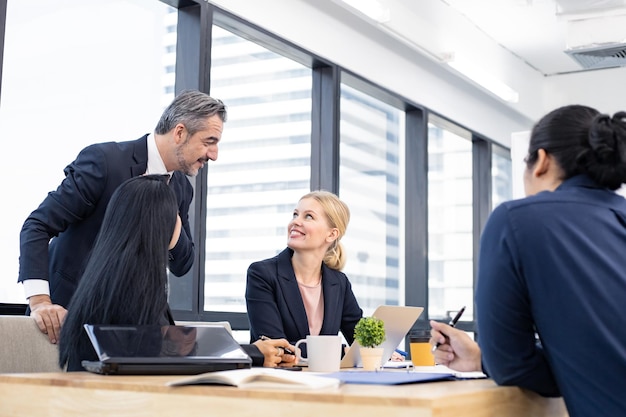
x,y
454,348
277,352
451,324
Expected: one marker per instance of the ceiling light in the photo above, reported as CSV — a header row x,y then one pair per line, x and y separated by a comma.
x,y
372,9
439,58
485,80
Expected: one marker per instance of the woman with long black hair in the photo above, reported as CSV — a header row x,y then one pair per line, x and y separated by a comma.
x,y
125,279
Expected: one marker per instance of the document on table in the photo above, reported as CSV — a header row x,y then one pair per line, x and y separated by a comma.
x,y
445,370
388,377
398,365
433,369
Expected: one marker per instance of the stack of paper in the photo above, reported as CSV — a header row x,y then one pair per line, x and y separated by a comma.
x,y
446,370
408,365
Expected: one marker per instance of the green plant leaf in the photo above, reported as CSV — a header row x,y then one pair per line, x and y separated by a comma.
x,y
370,331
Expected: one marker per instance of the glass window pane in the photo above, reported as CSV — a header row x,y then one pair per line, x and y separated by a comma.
x,y
371,171
501,177
450,220
263,166
74,73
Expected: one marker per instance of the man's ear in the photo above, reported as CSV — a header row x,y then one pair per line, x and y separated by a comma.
x,y
179,133
543,163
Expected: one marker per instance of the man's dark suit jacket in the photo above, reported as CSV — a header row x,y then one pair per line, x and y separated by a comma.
x,y
71,216
276,309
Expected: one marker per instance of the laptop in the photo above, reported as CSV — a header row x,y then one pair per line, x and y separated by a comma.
x,y
398,321
164,350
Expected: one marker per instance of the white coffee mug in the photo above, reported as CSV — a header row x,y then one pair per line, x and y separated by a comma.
x,y
323,353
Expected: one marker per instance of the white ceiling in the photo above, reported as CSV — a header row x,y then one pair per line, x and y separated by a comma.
x,y
538,31
534,32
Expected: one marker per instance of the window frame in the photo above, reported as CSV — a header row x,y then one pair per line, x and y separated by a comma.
x,y
193,66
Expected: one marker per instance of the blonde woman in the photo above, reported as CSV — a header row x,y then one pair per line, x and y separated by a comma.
x,y
302,291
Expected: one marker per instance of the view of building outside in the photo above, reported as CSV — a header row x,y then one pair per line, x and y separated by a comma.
x,y
264,162
371,178
74,73
501,177
450,220
264,168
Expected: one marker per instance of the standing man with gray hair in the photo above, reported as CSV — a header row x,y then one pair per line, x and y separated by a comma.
x,y
56,239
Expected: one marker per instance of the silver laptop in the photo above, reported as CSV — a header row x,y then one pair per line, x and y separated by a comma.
x,y
164,350
398,321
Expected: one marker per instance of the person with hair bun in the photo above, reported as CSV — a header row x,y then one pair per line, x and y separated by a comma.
x,y
552,271
302,291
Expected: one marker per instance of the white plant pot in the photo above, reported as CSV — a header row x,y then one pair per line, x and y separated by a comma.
x,y
371,358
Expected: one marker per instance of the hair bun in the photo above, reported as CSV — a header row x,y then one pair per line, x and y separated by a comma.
x,y
606,137
619,119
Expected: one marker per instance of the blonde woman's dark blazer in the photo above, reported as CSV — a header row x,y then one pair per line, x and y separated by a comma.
x,y
276,309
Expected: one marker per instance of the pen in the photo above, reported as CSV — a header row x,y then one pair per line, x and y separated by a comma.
x,y
452,323
285,350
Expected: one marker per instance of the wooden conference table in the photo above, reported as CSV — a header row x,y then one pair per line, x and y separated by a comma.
x,y
85,394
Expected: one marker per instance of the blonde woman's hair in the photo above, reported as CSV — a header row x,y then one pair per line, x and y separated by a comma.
x,y
338,216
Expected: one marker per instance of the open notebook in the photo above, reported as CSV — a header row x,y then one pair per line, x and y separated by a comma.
x,y
398,321
164,350
274,378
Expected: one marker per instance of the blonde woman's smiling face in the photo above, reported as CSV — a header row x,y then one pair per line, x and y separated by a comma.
x,y
309,228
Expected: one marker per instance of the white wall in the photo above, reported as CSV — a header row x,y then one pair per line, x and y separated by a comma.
x,y
603,90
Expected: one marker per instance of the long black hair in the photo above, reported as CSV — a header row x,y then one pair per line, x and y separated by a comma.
x,y
125,280
583,141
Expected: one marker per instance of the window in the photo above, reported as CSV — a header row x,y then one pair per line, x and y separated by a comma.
x,y
450,221
71,78
371,137
263,167
501,168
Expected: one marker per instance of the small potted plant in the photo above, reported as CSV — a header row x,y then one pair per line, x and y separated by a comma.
x,y
370,333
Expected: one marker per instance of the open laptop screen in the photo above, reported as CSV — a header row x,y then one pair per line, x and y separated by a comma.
x,y
162,347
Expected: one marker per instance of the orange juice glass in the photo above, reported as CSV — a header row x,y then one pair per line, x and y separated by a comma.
x,y
421,354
